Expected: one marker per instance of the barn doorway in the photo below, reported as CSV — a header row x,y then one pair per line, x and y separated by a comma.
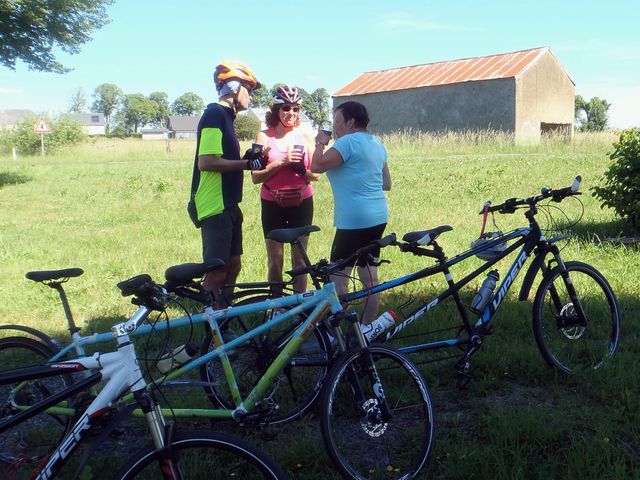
x,y
555,129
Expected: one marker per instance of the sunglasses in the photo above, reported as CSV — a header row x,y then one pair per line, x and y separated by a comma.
x,y
286,108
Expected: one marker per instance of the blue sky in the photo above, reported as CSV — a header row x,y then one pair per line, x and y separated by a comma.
x,y
170,46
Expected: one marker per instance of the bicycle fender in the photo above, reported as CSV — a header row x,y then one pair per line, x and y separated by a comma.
x,y
48,341
530,276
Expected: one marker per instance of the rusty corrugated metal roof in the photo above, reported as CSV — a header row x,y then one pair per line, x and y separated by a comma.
x,y
504,65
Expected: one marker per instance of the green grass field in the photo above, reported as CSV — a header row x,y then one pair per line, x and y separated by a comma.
x,y
117,209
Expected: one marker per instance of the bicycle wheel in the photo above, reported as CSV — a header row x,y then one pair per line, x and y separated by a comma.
x,y
370,437
33,439
567,343
203,456
298,385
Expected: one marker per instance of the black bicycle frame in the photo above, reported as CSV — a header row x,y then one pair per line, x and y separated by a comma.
x,y
530,239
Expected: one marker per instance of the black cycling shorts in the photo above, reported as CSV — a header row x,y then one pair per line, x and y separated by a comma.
x,y
222,235
347,242
274,216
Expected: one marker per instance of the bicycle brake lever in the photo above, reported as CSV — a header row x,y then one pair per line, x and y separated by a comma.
x,y
379,262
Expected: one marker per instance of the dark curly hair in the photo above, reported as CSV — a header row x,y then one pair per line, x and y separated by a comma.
x,y
356,111
272,117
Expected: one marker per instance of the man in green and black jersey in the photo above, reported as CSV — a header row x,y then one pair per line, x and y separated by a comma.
x,y
219,168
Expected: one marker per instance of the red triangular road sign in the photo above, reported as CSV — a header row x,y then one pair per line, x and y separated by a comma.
x,y
41,126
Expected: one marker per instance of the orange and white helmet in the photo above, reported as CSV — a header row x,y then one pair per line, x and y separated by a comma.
x,y
287,94
230,70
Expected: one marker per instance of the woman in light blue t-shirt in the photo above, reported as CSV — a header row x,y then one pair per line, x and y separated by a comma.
x,y
356,165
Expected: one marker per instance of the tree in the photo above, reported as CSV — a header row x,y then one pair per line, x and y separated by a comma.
x,y
316,107
30,29
261,97
78,101
107,99
187,104
137,111
246,127
162,108
620,185
592,115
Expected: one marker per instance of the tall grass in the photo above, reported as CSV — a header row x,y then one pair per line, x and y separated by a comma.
x,y
410,142
117,209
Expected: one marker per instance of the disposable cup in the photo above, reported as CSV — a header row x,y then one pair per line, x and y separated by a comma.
x,y
256,148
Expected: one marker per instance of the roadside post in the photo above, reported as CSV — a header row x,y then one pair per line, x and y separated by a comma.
x,y
41,127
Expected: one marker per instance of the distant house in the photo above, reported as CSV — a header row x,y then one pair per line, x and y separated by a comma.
x,y
526,93
92,123
9,118
154,133
259,113
183,126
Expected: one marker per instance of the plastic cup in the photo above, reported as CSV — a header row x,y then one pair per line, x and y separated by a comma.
x,y
257,149
299,148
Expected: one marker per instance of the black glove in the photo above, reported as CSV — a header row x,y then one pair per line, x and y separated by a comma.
x,y
299,168
257,163
251,154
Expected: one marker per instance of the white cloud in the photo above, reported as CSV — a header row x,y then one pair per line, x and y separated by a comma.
x,y
10,91
404,20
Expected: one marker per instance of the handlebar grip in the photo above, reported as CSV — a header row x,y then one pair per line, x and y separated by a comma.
x,y
576,184
386,241
302,270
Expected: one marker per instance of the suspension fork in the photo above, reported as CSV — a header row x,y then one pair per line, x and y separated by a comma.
x,y
153,414
571,290
368,366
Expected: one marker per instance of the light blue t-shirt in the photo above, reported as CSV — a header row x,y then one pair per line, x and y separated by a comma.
x,y
357,183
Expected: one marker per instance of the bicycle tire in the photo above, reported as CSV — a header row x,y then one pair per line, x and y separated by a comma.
x,y
33,439
229,458
300,383
564,343
360,442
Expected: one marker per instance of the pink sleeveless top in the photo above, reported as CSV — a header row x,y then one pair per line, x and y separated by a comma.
x,y
285,177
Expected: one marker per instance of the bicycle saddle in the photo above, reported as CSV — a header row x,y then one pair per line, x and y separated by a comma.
x,y
181,275
288,235
48,275
426,237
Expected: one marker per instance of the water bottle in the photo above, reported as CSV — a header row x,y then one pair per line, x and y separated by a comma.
x,y
379,325
485,293
177,357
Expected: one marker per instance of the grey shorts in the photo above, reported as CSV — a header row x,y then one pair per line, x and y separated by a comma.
x,y
222,235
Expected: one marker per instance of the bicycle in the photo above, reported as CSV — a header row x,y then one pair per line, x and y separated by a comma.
x,y
568,305
575,316
172,454
303,375
383,415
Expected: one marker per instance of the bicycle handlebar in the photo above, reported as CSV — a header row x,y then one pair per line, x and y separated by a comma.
x,y
324,269
510,205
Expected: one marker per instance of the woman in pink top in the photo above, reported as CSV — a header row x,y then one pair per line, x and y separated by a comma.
x,y
288,168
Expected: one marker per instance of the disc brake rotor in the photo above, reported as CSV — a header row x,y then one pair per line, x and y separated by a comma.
x,y
371,421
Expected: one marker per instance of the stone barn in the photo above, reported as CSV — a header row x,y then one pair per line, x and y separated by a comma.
x,y
526,93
